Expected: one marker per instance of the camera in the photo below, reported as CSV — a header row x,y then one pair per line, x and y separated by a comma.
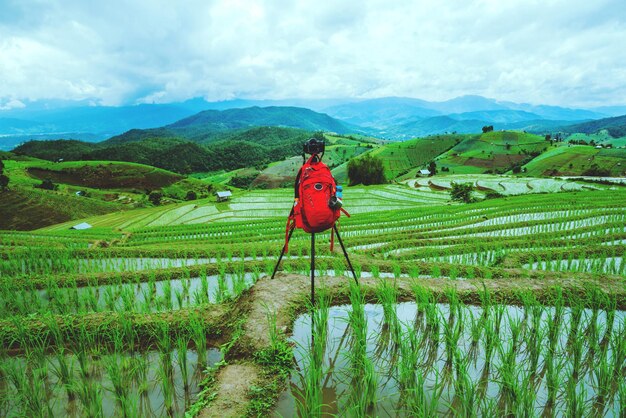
x,y
314,146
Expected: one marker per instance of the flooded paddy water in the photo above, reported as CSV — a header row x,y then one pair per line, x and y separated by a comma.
x,y
144,297
146,384
440,359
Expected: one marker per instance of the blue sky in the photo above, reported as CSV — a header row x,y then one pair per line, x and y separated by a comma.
x,y
569,53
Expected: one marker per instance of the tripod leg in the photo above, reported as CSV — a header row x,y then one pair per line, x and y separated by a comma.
x,y
345,253
312,291
282,253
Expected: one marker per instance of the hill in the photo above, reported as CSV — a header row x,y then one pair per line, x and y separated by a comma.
x,y
404,159
228,151
210,125
80,189
579,160
616,126
28,209
492,152
105,175
339,149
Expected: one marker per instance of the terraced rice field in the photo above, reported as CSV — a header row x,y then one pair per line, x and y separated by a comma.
x,y
506,307
506,185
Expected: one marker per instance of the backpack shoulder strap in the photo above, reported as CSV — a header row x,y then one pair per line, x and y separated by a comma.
x,y
296,186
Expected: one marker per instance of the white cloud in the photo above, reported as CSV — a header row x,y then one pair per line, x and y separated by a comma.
x,y
554,52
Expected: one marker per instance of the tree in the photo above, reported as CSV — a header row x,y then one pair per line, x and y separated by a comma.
x,y
4,180
47,184
462,192
488,128
366,170
191,195
155,198
432,167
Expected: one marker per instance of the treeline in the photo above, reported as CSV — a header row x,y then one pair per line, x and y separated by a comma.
x,y
244,148
4,180
366,170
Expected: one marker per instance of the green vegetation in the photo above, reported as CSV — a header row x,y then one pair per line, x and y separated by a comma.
x,y
615,127
491,152
404,159
42,193
511,306
143,301
25,209
576,160
228,151
366,170
4,179
462,192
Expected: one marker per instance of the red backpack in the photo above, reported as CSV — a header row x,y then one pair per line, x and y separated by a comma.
x,y
316,207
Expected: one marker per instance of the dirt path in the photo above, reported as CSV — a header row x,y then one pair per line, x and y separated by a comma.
x,y
234,382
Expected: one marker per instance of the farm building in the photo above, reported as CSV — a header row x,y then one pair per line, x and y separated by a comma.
x,y
81,226
424,173
223,196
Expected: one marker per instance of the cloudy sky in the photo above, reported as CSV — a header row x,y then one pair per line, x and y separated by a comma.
x,y
565,52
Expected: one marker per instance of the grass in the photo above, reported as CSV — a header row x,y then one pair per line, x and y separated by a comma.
x,y
574,160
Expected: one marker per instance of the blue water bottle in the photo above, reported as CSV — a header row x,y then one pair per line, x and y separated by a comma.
x,y
339,193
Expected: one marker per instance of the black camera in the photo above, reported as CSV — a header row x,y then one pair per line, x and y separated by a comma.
x,y
314,146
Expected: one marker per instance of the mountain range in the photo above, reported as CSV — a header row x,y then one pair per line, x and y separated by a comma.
x,y
390,117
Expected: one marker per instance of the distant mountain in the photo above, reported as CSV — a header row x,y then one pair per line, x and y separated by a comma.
x,y
402,118
210,125
555,112
437,125
610,111
468,103
8,142
293,117
203,121
616,126
382,113
95,121
497,116
318,105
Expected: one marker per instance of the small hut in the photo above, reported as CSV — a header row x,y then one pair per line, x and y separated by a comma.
x,y
81,226
223,196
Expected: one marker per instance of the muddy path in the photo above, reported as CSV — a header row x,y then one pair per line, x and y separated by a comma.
x,y
286,297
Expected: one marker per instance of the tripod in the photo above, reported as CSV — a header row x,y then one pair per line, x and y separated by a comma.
x,y
343,248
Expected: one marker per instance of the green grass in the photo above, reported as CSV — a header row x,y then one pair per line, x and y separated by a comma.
x,y
109,187
26,209
574,160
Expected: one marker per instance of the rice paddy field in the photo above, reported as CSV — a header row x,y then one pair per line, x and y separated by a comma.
x,y
514,306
